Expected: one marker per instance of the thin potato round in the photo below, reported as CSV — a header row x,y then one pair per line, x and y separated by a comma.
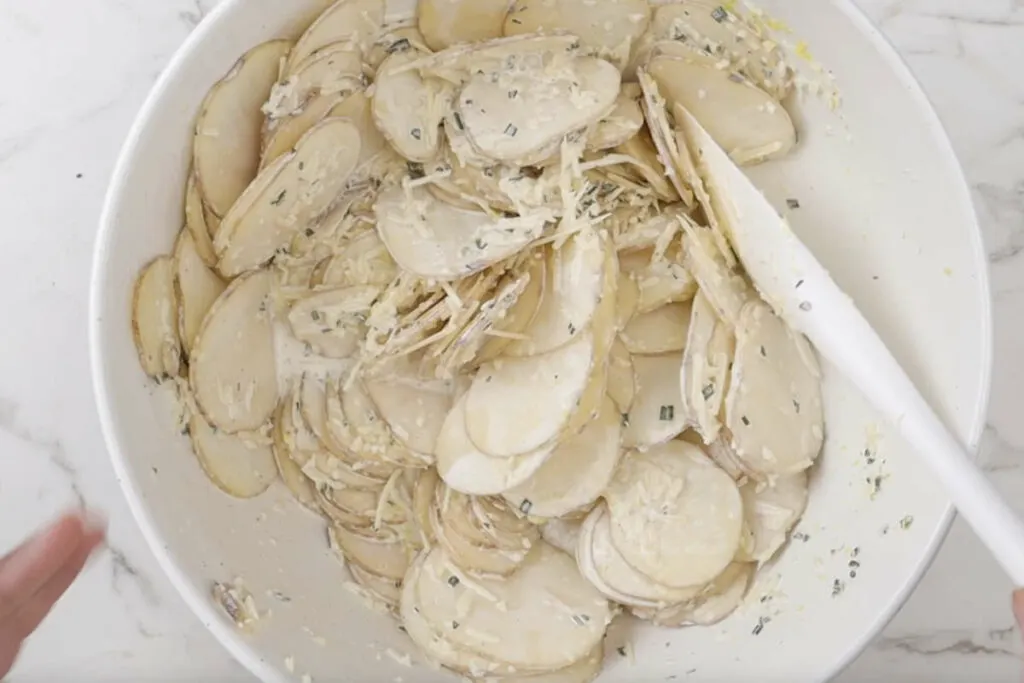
x,y
675,516
332,321
226,150
197,288
155,319
287,196
518,405
233,370
608,27
195,221
577,472
465,468
621,378
662,330
414,409
704,374
624,121
378,553
657,414
774,406
238,468
408,108
291,474
446,22
358,21
771,510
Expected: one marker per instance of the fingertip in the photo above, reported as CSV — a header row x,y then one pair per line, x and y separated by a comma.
x,y
1018,604
94,523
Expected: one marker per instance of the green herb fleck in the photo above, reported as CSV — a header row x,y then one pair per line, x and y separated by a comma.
x,y
453,581
416,133
309,232
526,506
511,130
793,203
745,421
280,198
719,14
667,413
398,46
458,120
837,588
708,391
805,306
907,522
415,170
621,650
764,354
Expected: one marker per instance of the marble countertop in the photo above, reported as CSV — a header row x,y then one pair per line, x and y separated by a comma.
x,y
77,74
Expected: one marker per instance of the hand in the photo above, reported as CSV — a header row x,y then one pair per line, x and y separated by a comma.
x,y
35,575
1018,607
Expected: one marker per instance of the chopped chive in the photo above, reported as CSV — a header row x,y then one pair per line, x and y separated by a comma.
x,y
708,391
526,506
621,650
796,404
399,46
745,421
415,170
799,284
719,14
309,232
806,306
453,581
625,419
572,329
279,198
511,130
416,133
512,94
667,413
458,120
793,203
764,354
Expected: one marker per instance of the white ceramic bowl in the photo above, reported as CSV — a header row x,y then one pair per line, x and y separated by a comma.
x,y
883,205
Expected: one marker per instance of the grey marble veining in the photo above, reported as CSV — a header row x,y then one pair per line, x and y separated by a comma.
x,y
80,70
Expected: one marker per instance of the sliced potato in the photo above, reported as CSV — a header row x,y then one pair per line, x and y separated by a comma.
x,y
624,121
621,378
575,278
609,27
155,319
374,151
465,468
602,564
238,468
195,221
662,135
356,21
233,370
675,516
364,260
717,601
332,321
459,63
519,405
522,117
726,290
378,552
196,287
578,471
392,39
287,196
286,132
388,591
408,108
433,239
584,671
414,408
517,628
657,413
774,407
297,483
704,375
334,69
446,22
227,140
477,559
715,30
744,120
562,534
771,511
662,330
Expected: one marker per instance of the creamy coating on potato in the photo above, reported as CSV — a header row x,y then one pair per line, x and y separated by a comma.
x,y
458,284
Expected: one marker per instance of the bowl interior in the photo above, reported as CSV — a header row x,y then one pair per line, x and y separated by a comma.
x,y
882,204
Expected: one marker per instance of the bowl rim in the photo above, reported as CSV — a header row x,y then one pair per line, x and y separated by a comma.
x,y
198,602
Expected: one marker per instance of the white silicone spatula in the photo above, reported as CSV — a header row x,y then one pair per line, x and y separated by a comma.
x,y
805,296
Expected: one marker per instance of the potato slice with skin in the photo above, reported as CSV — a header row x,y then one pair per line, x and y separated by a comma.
x,y
476,559
465,468
230,123
433,239
332,321
662,330
236,467
297,483
286,133
332,70
674,492
414,409
155,319
771,510
704,374
657,413
408,108
624,121
529,633
358,109
196,287
287,196
233,370
381,552
719,599
447,22
358,21
574,283
578,471
609,27
519,405
774,406
549,102
601,562
195,221
438,648
744,120
339,516
621,378
388,591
